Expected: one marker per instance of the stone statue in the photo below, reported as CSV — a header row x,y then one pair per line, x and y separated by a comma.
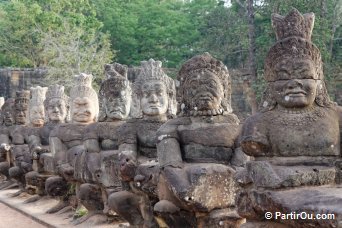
x,y
154,103
97,167
36,119
295,138
19,154
196,152
7,114
66,140
56,106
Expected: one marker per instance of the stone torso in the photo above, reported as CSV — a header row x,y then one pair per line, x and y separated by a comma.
x,y
314,133
106,133
208,139
70,134
142,133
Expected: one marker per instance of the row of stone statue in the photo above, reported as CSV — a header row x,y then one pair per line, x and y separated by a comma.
x,y
132,157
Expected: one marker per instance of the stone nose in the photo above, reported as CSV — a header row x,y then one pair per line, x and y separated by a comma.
x,y
153,98
294,83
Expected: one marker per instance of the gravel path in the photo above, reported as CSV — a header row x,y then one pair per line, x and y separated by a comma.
x,y
11,218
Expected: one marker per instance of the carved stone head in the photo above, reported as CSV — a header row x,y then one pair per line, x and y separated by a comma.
x,y
7,112
205,87
56,104
21,104
293,66
84,100
116,93
36,107
154,92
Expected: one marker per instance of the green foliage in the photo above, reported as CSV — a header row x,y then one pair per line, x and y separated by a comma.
x,y
143,29
62,35
226,29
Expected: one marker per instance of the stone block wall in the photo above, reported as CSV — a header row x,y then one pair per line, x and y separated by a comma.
x,y
14,79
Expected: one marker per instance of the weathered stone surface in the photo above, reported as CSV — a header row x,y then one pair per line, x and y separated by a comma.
x,y
268,176
194,150
154,101
295,138
309,200
66,140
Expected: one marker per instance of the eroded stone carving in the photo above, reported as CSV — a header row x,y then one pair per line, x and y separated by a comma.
x,y
7,113
56,105
153,103
19,155
97,167
197,151
36,106
295,139
66,140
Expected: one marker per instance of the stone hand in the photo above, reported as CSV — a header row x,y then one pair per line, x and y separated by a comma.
x,y
128,167
5,147
37,151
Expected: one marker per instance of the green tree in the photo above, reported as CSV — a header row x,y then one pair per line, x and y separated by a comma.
x,y
164,30
62,35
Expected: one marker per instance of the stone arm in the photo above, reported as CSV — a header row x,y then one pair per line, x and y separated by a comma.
x,y
253,139
36,147
58,150
5,146
92,145
168,146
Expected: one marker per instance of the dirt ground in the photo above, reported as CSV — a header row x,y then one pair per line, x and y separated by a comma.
x,y
11,218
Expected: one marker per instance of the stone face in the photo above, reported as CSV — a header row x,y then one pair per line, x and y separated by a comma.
x,y
295,138
196,150
21,104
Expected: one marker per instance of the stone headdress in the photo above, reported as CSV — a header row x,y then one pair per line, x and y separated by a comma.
x,y
293,33
83,88
57,91
38,95
152,71
203,63
116,81
22,99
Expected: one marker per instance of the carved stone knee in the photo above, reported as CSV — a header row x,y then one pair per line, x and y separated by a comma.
x,y
126,204
16,173
91,197
4,167
56,186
